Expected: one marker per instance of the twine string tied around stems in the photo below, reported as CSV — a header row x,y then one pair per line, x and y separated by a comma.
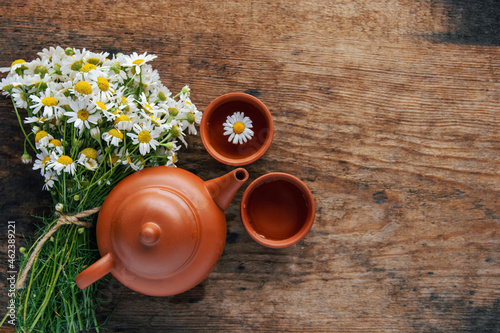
x,y
62,220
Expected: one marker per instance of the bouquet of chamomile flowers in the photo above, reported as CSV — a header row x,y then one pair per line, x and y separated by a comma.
x,y
94,119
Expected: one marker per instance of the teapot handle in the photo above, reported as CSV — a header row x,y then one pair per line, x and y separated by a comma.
x,y
96,271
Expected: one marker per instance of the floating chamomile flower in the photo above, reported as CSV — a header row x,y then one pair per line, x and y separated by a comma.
x,y
238,127
145,136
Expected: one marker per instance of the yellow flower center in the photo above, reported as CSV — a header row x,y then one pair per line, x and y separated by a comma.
x,y
46,160
138,61
65,160
55,143
101,105
83,87
125,102
102,83
116,133
83,114
90,153
174,158
49,101
238,127
87,68
40,135
120,118
17,62
147,107
77,65
155,120
144,137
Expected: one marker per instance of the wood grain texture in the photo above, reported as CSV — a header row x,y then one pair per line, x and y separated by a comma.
x,y
388,110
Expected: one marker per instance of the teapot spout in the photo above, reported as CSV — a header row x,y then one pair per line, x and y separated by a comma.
x,y
223,189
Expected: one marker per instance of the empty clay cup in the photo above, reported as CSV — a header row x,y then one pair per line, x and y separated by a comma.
x,y
277,210
212,129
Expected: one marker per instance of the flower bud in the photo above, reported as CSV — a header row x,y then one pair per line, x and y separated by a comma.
x,y
59,207
26,158
185,90
23,250
76,197
69,51
95,133
169,145
77,144
115,67
81,230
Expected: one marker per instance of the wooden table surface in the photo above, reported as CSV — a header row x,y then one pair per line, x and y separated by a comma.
x,y
388,110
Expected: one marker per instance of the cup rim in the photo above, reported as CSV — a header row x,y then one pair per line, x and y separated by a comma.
x,y
311,212
229,97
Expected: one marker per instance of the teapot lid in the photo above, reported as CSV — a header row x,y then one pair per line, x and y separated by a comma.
x,y
154,232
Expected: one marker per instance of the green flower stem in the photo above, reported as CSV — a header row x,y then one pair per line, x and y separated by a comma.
x,y
169,135
21,125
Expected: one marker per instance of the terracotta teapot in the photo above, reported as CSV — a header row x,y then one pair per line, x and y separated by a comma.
x,y
162,230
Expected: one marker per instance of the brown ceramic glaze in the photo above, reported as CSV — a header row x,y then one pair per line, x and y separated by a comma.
x,y
162,230
277,210
212,129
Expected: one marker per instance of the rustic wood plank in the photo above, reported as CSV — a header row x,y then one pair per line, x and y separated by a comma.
x,y
388,110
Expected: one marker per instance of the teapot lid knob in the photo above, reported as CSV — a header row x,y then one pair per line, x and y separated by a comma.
x,y
150,233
